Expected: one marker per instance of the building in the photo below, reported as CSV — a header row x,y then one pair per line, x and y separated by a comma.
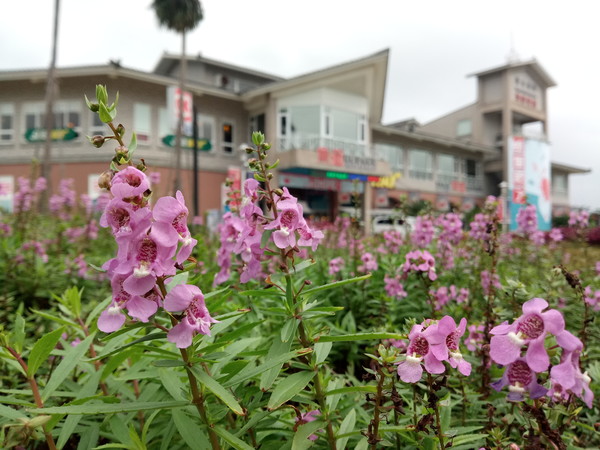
x,y
325,127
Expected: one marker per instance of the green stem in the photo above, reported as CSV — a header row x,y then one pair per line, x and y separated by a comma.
x,y
376,413
36,394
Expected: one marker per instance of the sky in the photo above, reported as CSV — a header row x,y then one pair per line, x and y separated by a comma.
x,y
434,45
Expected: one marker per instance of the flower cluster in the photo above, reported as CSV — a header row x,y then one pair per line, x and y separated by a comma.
x,y
369,263
527,221
592,298
579,219
27,193
423,233
420,261
529,333
243,235
335,265
393,287
431,343
152,244
444,294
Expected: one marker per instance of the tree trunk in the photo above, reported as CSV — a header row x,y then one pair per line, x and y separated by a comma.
x,y
51,88
179,131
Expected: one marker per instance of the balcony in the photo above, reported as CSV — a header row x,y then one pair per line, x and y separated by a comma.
x,y
313,142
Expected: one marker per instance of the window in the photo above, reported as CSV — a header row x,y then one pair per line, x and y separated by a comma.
x,y
393,154
227,137
67,114
420,164
257,123
362,128
559,184
327,123
97,127
7,125
206,128
282,128
471,168
464,128
142,122
164,123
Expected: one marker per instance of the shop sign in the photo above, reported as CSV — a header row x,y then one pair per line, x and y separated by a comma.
x,y
59,134
187,142
458,186
388,182
337,158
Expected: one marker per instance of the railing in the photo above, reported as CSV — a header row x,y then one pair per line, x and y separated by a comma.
x,y
313,142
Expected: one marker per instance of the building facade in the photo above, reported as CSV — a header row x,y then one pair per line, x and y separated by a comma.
x,y
325,128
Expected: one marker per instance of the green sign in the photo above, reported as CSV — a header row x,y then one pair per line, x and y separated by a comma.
x,y
187,142
61,134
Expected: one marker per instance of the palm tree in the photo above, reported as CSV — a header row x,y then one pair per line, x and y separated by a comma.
x,y
51,88
180,16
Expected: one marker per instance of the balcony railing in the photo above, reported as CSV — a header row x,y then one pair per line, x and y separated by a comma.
x,y
313,142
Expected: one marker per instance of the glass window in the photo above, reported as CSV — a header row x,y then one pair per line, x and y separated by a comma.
x,y
420,164
471,168
446,164
227,137
559,183
142,122
393,154
97,127
464,127
305,120
206,128
345,125
283,122
7,116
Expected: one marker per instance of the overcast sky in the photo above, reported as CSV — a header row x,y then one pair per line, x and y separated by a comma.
x,y
433,46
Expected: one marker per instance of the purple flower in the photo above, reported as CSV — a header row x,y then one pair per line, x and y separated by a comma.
x,y
369,263
444,337
197,319
420,261
394,288
530,329
308,417
567,378
419,350
335,265
519,378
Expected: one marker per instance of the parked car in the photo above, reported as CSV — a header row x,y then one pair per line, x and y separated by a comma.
x,y
392,222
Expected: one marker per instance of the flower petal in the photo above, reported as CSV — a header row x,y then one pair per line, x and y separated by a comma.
x,y
503,350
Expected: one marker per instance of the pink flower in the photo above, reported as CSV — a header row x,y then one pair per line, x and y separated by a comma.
x,y
530,329
420,261
285,226
419,350
394,288
170,215
519,378
335,265
197,319
307,417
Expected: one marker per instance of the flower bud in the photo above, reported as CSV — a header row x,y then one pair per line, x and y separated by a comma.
x,y
97,141
122,149
105,179
267,146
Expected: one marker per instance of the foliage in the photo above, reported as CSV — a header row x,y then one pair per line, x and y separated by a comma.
x,y
303,352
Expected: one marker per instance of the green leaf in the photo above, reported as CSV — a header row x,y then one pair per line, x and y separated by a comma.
x,y
361,337
301,440
335,284
217,389
71,422
70,360
322,350
109,408
148,337
132,144
289,329
41,350
11,413
104,114
190,431
288,387
168,363
352,389
231,439
17,337
277,348
346,426
268,364
101,94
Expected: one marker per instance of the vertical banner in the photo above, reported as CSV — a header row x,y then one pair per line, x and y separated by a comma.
x,y
529,179
7,192
234,174
175,101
